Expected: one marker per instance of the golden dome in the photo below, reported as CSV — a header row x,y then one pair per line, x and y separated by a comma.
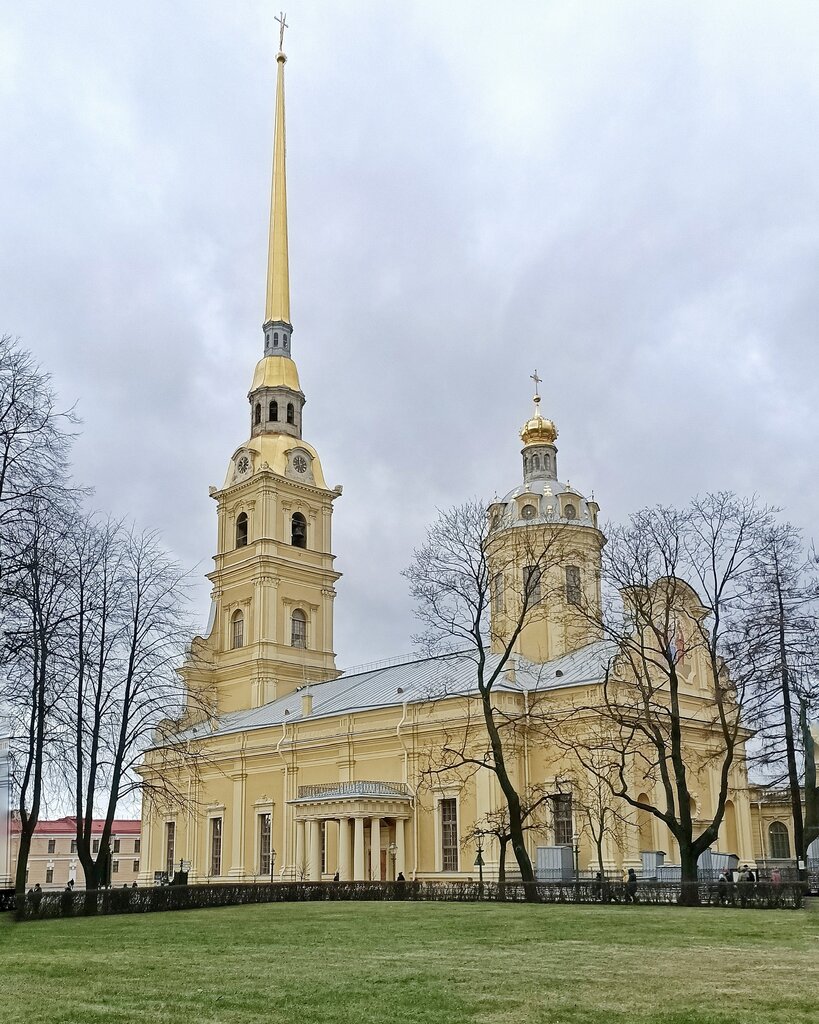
x,y
276,372
538,430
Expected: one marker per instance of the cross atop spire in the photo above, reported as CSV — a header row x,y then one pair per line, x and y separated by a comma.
x,y
537,380
282,20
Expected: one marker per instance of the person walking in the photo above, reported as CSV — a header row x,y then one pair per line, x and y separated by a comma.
x,y
631,886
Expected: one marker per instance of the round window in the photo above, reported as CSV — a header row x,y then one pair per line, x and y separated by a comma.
x,y
528,511
570,512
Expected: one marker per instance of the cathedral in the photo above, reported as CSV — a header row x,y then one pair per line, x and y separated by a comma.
x,y
297,771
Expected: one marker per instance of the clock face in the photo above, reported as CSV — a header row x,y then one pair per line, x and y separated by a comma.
x,y
300,464
242,465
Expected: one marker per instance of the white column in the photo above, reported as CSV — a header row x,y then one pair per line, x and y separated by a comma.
x,y
375,849
315,851
400,855
344,849
300,858
358,852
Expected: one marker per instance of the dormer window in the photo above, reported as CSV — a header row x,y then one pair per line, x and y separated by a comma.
x,y
569,511
298,531
528,512
241,530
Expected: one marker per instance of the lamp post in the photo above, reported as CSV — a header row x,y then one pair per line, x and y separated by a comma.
x,y
479,866
272,863
576,844
392,850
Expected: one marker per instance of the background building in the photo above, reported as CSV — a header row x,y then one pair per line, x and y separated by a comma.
x,y
53,860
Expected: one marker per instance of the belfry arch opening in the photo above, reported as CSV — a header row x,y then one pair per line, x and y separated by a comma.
x,y
298,530
241,530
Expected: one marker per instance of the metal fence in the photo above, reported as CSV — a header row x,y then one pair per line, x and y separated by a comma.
x,y
761,895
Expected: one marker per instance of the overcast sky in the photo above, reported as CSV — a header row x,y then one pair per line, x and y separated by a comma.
x,y
621,195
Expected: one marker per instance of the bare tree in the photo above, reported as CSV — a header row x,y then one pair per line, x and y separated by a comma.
x,y
38,609
782,646
452,577
495,825
668,713
128,640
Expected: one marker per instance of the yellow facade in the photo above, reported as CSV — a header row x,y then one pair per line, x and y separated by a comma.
x,y
326,771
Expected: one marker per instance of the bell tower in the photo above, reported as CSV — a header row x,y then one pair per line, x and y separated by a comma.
x,y
271,626
543,551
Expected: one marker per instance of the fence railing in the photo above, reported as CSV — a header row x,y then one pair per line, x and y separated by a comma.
x,y
36,906
366,787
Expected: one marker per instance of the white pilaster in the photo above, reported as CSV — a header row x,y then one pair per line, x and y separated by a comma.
x,y
301,860
400,854
315,850
344,849
375,849
358,853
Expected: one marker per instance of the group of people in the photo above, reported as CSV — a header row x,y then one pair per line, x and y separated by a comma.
x,y
743,886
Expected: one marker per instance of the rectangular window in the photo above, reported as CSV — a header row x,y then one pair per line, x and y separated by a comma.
x,y
563,819
265,867
73,845
52,846
137,844
573,584
115,867
216,846
497,594
449,834
95,846
116,845
170,842
136,866
531,585
49,875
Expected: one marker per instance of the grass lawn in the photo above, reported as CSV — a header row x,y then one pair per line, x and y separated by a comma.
x,y
419,962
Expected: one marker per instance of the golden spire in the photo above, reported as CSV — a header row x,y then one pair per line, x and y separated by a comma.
x,y
278,271
538,430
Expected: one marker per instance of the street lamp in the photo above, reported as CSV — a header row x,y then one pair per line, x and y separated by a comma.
x,y
392,850
272,862
576,843
479,865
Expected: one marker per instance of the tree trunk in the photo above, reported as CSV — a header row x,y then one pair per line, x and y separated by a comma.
x,y
790,743
22,864
690,892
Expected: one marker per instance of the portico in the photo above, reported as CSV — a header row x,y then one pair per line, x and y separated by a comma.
x,y
357,828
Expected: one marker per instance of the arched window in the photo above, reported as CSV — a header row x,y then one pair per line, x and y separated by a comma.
x,y
298,530
276,340
291,413
241,530
780,846
547,461
569,511
645,825
257,415
535,462
273,412
237,630
298,628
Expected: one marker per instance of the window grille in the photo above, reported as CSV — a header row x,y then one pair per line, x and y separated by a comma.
x,y
264,844
531,585
573,584
449,834
216,846
170,841
298,629
563,819
779,842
